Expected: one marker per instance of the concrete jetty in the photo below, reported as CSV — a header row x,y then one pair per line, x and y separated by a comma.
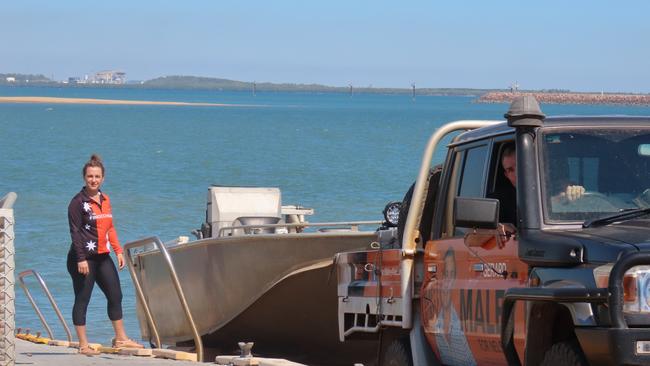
x,y
28,353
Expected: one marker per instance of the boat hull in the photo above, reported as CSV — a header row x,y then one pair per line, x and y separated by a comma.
x,y
278,291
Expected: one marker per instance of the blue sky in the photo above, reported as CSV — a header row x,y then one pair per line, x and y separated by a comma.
x,y
577,45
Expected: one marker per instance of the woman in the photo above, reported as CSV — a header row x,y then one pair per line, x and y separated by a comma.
x,y
89,261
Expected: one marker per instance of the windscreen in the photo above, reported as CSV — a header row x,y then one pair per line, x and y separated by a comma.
x,y
594,172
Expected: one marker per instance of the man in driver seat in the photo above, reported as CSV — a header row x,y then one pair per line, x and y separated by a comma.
x,y
507,196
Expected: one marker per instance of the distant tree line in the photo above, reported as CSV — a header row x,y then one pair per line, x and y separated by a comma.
x,y
24,79
208,83
194,82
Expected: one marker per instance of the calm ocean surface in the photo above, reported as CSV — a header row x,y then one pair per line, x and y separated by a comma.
x,y
343,156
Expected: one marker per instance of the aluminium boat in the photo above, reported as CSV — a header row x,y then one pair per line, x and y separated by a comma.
x,y
257,272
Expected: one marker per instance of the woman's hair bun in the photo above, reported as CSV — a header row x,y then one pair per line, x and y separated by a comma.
x,y
95,161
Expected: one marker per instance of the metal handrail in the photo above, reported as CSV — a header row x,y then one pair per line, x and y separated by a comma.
x,y
138,288
179,290
21,277
7,285
352,224
411,233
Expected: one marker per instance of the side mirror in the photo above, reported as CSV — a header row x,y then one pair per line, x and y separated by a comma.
x,y
476,213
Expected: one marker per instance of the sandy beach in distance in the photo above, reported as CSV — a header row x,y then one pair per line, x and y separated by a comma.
x,y
55,100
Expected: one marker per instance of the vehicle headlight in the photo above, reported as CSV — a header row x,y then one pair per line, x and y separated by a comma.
x,y
391,213
636,287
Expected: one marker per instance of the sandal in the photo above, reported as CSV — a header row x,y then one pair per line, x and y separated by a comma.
x,y
128,343
88,351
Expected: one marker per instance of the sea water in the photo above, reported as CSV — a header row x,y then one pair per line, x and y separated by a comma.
x,y
344,155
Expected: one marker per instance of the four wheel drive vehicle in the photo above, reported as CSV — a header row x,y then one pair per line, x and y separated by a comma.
x,y
567,283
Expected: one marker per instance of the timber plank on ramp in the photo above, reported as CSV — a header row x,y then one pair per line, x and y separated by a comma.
x,y
28,353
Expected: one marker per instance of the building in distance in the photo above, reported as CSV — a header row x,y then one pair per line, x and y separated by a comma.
x,y
109,77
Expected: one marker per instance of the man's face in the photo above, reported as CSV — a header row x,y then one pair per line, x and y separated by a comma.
x,y
509,163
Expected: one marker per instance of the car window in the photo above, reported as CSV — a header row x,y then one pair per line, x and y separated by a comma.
x,y
471,183
466,180
609,164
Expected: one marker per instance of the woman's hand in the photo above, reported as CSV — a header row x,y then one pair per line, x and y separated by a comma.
x,y
120,260
82,267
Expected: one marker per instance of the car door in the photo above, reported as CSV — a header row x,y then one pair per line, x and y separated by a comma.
x,y
464,286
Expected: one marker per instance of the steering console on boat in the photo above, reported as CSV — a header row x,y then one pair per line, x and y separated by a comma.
x,y
233,211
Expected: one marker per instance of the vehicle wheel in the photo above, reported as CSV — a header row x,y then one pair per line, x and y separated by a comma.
x,y
397,354
567,353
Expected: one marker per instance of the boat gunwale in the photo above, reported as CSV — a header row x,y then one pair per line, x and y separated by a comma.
x,y
248,237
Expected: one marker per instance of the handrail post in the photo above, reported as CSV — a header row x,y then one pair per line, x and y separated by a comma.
x,y
21,278
179,290
138,287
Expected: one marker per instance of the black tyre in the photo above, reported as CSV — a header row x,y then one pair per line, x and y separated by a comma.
x,y
397,353
566,353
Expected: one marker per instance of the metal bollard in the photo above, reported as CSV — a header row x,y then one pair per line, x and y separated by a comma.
x,y
246,349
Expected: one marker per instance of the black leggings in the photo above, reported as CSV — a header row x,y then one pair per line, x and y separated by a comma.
x,y
102,270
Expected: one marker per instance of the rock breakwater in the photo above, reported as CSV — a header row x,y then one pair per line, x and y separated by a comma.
x,y
570,98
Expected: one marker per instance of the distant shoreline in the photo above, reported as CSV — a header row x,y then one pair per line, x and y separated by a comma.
x,y
570,98
490,97
56,100
218,85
